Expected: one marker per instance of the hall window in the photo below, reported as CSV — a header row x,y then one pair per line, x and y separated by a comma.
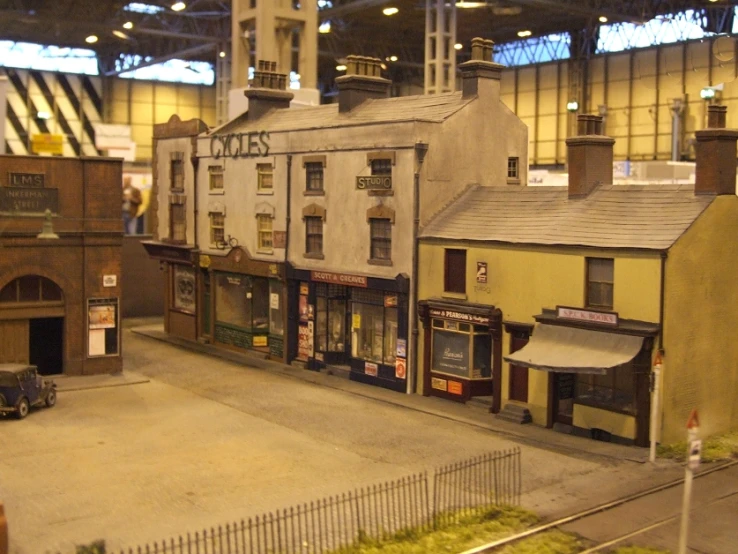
x,y
314,176
614,391
512,168
461,349
31,288
177,222
216,177
381,166
455,271
217,228
264,229
314,235
600,281
176,171
374,326
264,177
381,239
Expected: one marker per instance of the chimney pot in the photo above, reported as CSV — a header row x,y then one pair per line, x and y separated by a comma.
x,y
489,50
589,156
363,81
477,49
716,116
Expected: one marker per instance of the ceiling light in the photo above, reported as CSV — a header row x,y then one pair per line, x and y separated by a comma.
x,y
572,106
383,66
464,4
458,46
390,11
523,34
128,25
707,93
178,6
713,0
603,19
341,67
393,58
222,54
325,27
120,34
43,115
92,39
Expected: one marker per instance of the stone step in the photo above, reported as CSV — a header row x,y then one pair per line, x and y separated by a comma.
x,y
516,409
510,418
515,413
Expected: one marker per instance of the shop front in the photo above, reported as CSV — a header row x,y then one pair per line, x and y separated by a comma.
x,y
243,303
599,372
354,322
462,350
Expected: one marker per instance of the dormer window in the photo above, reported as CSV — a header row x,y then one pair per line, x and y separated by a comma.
x,y
382,166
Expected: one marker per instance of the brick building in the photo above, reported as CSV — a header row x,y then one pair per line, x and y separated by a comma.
x,y
60,290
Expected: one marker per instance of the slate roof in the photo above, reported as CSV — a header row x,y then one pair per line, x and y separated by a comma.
x,y
648,217
433,108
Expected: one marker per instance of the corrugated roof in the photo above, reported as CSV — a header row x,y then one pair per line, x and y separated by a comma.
x,y
649,217
433,108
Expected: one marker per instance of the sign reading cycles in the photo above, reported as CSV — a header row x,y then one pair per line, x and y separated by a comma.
x,y
240,145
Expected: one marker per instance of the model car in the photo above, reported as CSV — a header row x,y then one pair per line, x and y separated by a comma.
x,y
22,387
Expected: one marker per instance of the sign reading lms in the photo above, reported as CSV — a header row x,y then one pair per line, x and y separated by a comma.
x,y
240,145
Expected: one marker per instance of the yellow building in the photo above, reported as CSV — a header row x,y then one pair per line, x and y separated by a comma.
x,y
550,303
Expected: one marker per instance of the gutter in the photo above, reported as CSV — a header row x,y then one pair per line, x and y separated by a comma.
x,y
664,256
421,149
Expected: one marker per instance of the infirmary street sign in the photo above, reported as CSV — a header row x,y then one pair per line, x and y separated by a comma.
x,y
240,145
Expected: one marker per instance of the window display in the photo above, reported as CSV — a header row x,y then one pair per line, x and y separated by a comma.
x,y
321,331
260,303
336,331
232,303
461,349
615,390
276,313
184,288
374,328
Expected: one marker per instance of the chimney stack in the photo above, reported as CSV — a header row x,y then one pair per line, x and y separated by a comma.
x,y
480,73
716,153
267,91
589,155
363,81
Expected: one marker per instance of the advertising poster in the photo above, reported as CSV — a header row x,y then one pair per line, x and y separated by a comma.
x,y
184,288
102,327
400,368
371,369
102,317
401,348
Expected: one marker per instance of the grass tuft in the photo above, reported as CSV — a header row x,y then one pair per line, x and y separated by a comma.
x,y
714,449
639,550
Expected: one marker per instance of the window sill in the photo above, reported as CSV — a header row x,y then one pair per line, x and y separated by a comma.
x,y
513,181
313,256
177,191
454,295
216,191
313,193
605,407
379,262
269,251
381,193
265,192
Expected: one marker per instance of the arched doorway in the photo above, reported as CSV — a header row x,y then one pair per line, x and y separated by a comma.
x,y
32,323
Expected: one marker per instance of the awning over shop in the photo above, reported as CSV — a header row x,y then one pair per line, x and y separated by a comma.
x,y
570,350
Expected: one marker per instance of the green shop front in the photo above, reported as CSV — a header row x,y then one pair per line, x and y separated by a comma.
x,y
244,303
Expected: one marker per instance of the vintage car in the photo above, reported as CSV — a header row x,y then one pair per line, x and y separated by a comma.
x,y
22,387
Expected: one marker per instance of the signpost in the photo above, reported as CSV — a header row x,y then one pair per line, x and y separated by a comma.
x,y
695,451
657,363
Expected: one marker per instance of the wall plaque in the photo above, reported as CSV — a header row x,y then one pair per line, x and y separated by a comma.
x,y
28,200
374,182
280,239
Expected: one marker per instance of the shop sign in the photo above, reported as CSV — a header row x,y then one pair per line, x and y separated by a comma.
x,y
274,301
459,316
451,352
371,369
482,272
205,261
29,180
233,280
260,340
454,387
374,182
162,251
390,301
184,288
304,289
339,278
356,321
110,280
28,199
279,239
401,348
240,145
439,384
590,316
47,143
400,368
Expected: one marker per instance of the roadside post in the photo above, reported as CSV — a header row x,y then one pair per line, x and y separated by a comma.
x,y
657,363
694,455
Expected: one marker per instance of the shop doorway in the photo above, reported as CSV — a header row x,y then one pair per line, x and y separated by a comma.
x,y
563,398
518,374
205,322
332,321
46,344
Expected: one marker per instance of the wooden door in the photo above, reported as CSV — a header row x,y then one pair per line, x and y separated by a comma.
x,y
563,406
14,336
518,374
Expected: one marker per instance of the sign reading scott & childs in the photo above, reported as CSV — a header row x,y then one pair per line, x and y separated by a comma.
x,y
339,278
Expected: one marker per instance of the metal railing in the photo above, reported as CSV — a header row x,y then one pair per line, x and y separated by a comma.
x,y
367,514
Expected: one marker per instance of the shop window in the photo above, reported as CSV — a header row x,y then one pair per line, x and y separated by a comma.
x,y
31,288
381,239
260,303
314,176
183,288
264,177
217,228
314,235
176,171
513,169
264,228
382,167
461,349
613,391
276,309
216,178
455,271
374,326
600,282
233,300
177,221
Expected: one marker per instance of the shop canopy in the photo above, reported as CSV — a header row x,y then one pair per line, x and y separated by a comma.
x,y
570,350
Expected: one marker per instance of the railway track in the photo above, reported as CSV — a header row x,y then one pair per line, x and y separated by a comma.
x,y
498,544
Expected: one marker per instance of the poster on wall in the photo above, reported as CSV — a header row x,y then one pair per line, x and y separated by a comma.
x,y
305,341
184,288
303,307
102,327
400,368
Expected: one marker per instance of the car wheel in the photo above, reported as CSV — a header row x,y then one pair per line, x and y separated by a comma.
x,y
23,408
51,398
